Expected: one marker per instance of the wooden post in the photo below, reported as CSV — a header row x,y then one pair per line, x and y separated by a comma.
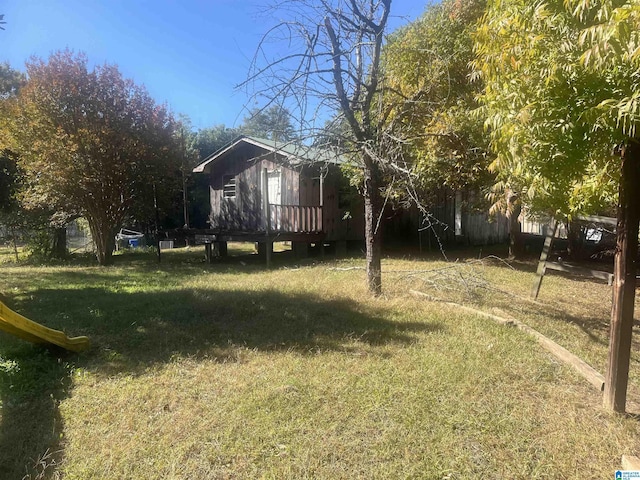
x,y
266,213
269,247
159,249
548,241
265,200
320,213
14,235
223,248
624,285
208,253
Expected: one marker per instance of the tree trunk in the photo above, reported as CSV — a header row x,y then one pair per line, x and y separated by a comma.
x,y
515,228
624,286
372,232
574,236
104,237
59,243
14,236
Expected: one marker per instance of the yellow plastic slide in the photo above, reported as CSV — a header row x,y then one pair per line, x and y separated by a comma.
x,y
15,324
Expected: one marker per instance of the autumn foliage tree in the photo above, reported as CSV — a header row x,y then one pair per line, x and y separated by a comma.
x,y
562,82
427,102
10,82
89,141
430,95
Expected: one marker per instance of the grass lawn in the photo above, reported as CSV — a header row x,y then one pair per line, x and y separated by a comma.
x,y
232,371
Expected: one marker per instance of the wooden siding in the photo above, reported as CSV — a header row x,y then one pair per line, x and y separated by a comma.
x,y
299,207
244,212
343,215
477,227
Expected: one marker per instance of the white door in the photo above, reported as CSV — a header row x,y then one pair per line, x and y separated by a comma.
x,y
275,198
273,184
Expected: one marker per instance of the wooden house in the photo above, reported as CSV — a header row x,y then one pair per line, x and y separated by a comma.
x,y
265,191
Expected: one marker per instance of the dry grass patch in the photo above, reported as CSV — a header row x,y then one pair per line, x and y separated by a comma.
x,y
573,311
232,371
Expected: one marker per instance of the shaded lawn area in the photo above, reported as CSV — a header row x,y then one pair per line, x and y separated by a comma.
x,y
232,371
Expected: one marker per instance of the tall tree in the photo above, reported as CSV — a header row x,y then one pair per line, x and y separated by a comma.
x,y
428,98
10,82
10,179
207,140
272,123
562,81
333,64
90,140
427,62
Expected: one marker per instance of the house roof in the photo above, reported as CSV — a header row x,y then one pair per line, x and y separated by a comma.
x,y
293,153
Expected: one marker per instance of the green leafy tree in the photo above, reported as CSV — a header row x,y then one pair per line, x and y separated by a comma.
x,y
90,141
429,94
10,82
272,123
428,100
11,212
562,85
207,140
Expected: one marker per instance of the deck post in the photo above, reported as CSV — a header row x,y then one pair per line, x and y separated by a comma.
x,y
269,251
301,249
208,252
265,200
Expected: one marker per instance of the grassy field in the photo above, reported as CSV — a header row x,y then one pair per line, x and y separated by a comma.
x,y
230,370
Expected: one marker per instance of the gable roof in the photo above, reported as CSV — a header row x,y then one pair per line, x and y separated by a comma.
x,y
294,153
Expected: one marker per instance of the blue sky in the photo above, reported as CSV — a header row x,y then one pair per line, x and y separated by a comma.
x,y
190,54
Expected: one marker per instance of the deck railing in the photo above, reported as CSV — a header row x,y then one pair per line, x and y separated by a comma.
x,y
295,219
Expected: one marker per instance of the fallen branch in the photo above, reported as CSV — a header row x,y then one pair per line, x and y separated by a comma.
x,y
561,353
630,463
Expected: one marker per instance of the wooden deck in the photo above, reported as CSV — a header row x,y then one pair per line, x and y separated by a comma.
x,y
284,223
295,219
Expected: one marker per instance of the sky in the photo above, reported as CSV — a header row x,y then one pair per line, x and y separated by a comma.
x,y
190,54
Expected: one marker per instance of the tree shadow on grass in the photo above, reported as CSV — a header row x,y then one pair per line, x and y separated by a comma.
x,y
33,381
136,330
131,332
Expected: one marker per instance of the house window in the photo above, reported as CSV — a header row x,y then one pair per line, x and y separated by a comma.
x,y
228,186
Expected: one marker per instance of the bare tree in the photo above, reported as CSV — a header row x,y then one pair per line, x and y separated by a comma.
x,y
333,65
